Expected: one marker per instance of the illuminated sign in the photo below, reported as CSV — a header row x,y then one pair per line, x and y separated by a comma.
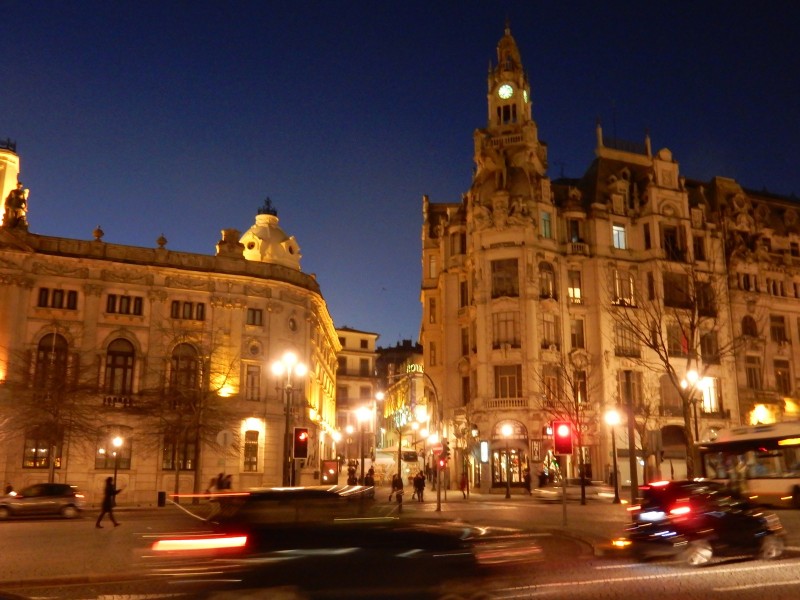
x,y
415,368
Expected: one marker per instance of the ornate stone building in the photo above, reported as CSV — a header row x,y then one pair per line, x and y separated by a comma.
x,y
170,352
630,288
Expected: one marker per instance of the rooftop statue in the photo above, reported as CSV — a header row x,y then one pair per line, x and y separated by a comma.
x,y
16,208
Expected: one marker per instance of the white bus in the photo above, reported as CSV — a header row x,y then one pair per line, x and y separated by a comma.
x,y
762,460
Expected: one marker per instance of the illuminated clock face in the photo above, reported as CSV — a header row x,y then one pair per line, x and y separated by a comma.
x,y
505,91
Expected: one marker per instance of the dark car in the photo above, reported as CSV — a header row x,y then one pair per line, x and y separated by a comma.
x,y
335,542
697,520
42,499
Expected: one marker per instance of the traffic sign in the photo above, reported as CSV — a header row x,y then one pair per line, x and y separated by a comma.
x,y
437,448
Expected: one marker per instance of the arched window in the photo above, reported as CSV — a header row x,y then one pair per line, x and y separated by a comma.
x,y
119,367
184,374
749,326
51,363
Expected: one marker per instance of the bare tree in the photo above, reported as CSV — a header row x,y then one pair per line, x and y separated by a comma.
x,y
49,395
189,405
678,322
566,391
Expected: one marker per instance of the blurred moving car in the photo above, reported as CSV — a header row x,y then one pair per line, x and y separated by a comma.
x,y
595,491
334,542
42,499
697,520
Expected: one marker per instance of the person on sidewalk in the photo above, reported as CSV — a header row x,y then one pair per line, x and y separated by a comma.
x,y
419,486
464,484
397,484
527,479
109,500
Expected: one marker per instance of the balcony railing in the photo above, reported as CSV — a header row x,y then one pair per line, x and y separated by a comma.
x,y
504,403
118,401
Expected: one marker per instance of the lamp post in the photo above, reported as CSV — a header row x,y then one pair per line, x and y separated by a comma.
x,y
507,430
288,366
117,443
362,415
612,419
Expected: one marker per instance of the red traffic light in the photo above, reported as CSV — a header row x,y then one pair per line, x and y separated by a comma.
x,y
442,463
300,442
562,437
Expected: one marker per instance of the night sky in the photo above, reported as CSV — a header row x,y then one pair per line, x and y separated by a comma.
x,y
182,117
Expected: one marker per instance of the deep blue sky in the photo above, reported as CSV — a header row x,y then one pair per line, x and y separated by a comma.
x,y
181,117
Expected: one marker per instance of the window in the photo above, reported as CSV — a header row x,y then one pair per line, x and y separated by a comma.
x,y
250,451
255,316
752,367
252,383
109,456
431,310
710,401
39,444
55,298
618,237
550,332
179,450
505,329
699,246
342,365
124,305
364,344
651,286
677,343
672,243
119,367
551,388
581,388
184,369
777,328
465,391
749,327
195,311
365,392
458,243
433,266
705,299
547,281
576,334
574,230
794,248
676,290
463,294
432,353
625,342
505,278
363,367
546,229
50,373
648,243
629,387
709,348
507,380
574,287
783,380
624,288
464,341
671,402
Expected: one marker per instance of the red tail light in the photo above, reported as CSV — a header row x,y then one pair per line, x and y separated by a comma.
x,y
680,510
200,543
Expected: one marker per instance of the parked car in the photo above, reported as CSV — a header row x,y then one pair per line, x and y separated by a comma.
x,y
335,542
43,499
595,491
697,520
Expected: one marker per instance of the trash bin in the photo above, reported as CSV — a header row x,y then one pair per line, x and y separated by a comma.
x,y
162,498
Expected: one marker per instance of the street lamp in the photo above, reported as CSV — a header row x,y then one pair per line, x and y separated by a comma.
x,y
288,366
362,415
117,443
507,430
612,419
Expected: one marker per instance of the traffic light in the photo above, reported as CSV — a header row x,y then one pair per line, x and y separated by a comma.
x,y
442,464
446,450
300,443
562,437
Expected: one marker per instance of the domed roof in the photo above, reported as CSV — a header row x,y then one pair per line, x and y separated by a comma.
x,y
266,242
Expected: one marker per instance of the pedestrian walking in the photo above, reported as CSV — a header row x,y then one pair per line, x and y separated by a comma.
x,y
419,486
464,484
397,484
527,479
109,501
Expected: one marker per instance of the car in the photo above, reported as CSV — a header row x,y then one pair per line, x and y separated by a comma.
x,y
698,520
595,491
336,540
42,499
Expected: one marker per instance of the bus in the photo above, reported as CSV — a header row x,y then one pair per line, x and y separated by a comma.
x,y
762,461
